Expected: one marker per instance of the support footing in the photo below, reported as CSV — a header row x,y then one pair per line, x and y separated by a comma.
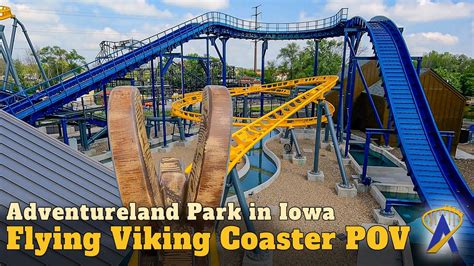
x,y
163,149
361,188
319,176
288,156
298,160
385,219
184,143
344,192
346,161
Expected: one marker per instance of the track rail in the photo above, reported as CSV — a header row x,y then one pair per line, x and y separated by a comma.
x,y
429,163
251,133
44,99
277,88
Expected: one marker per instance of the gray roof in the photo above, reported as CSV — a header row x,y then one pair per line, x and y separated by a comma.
x,y
37,168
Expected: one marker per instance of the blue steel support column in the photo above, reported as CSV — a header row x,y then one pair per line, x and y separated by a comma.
x,y
340,113
12,42
182,70
245,109
315,68
242,202
224,61
262,77
418,66
35,55
163,104
295,141
153,96
64,129
83,135
349,100
7,67
9,63
326,134
316,55
208,63
104,91
318,139
182,76
345,182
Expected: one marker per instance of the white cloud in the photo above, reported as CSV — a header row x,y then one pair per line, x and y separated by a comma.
x,y
202,4
446,39
405,10
363,8
28,14
132,7
428,10
423,42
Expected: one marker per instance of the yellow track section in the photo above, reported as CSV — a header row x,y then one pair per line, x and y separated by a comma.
x,y
278,88
251,133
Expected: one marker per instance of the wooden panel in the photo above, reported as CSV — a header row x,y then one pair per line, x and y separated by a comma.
x,y
446,104
134,166
207,177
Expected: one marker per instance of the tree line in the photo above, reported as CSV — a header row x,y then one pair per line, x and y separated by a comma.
x,y
293,61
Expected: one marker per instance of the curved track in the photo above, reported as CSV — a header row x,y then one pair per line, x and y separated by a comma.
x,y
278,88
251,133
44,99
429,163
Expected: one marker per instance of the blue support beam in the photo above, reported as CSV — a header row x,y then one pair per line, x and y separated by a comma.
x,y
64,129
351,85
239,192
340,120
418,65
349,99
224,61
345,182
262,77
104,91
315,68
318,138
32,48
368,135
208,64
168,64
9,67
153,96
213,43
182,71
163,103
316,55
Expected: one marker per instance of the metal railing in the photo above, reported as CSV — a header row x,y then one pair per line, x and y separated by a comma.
x,y
215,18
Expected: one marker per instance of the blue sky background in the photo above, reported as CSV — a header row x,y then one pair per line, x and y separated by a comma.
x,y
445,25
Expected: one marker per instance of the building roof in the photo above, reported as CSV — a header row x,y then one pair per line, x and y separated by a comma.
x,y
377,88
37,168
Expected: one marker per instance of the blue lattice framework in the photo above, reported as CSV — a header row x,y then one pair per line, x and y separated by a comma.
x,y
43,99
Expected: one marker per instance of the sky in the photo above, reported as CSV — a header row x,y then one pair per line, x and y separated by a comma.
x,y
445,25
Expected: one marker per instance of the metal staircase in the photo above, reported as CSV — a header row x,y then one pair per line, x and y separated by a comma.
x,y
429,164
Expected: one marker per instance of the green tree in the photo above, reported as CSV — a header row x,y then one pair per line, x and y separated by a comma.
x,y
298,63
458,70
57,60
289,56
271,72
